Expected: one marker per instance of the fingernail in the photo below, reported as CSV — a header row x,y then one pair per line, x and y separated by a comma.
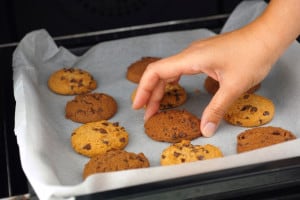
x,y
209,129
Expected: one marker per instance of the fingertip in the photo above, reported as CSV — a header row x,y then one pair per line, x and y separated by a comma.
x,y
151,109
135,104
209,129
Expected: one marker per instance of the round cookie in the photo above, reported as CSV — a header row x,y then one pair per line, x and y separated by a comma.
x,y
136,69
212,86
173,126
91,107
174,96
185,152
114,160
71,81
98,137
259,137
250,110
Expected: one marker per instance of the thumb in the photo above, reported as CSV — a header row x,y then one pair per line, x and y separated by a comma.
x,y
216,109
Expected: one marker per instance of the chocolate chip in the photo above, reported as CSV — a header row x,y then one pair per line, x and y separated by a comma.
x,y
276,133
253,109
200,157
246,96
73,80
266,113
246,107
87,147
123,140
241,137
115,124
80,83
176,154
102,130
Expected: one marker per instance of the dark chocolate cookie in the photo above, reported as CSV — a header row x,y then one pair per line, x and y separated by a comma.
x,y
173,126
136,69
91,107
114,160
262,137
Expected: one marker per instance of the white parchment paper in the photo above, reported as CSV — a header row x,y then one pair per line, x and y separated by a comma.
x,y
43,133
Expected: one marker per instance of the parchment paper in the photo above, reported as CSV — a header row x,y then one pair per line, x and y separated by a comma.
x,y
43,133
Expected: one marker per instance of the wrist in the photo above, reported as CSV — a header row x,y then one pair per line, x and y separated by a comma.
x,y
279,25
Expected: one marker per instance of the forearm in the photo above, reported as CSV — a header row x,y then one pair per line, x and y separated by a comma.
x,y
279,25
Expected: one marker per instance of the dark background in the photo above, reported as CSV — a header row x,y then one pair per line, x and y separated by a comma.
x,y
65,17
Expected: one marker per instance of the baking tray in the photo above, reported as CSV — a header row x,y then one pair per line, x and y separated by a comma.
x,y
260,153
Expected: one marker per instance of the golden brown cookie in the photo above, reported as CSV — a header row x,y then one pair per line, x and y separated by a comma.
x,y
114,160
174,96
98,137
212,86
71,81
136,69
259,137
185,152
91,107
250,110
173,126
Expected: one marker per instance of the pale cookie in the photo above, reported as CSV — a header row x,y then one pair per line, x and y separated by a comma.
x,y
185,152
250,110
136,69
173,126
71,81
98,137
174,96
259,137
114,160
91,107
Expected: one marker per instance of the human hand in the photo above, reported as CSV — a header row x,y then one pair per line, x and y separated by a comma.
x,y
237,60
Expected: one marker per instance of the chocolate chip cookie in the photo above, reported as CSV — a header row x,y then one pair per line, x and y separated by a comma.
x,y
212,86
184,152
114,160
71,81
173,126
91,107
250,110
259,137
136,69
174,96
98,137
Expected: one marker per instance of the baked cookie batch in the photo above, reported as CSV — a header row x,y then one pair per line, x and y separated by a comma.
x,y
104,142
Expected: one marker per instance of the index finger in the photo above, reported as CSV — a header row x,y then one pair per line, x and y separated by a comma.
x,y
166,70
